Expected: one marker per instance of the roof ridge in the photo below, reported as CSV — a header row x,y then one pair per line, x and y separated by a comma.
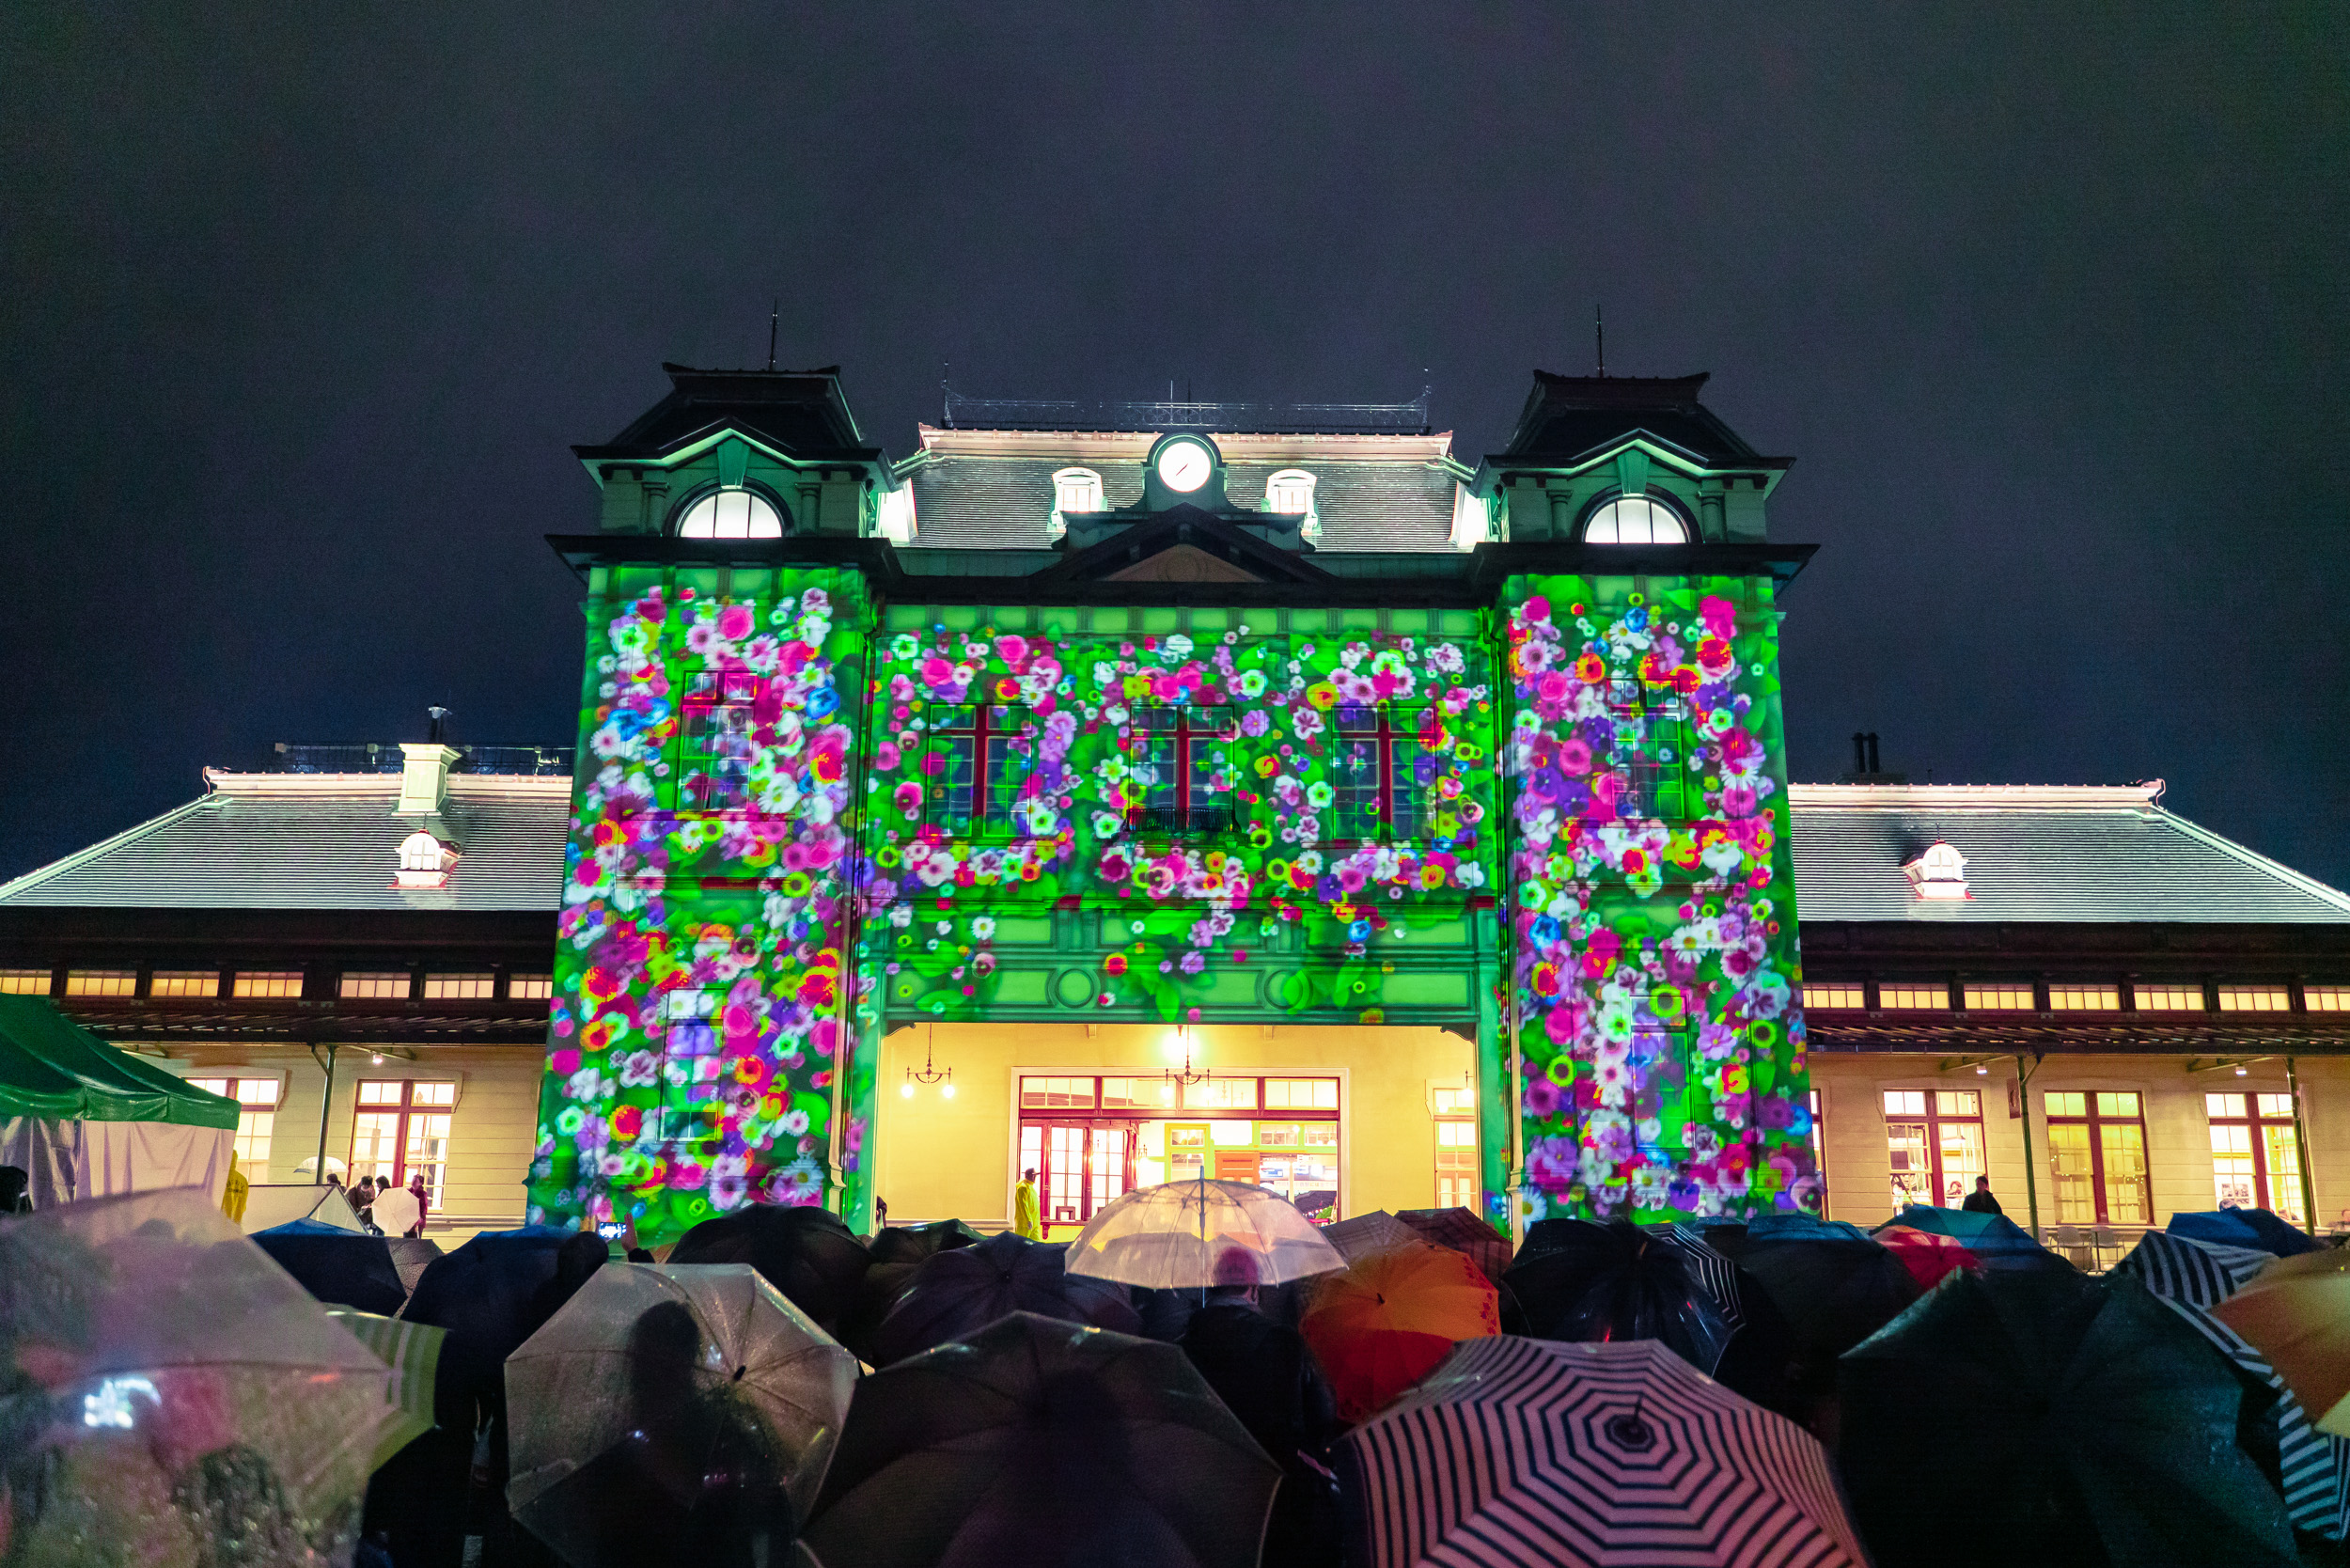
x,y
81,858
2277,869
1942,797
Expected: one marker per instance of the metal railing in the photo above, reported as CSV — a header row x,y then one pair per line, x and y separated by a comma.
x,y
524,761
1045,414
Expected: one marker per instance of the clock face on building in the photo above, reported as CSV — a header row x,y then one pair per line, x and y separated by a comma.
x,y
1184,467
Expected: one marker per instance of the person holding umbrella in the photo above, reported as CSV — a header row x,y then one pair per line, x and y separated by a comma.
x,y
1264,1374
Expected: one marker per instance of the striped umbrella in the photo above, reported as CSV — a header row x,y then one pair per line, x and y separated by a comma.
x,y
2190,1277
1528,1453
413,1351
1714,1272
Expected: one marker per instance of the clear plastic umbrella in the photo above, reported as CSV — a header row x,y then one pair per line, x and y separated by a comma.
x,y
170,1396
668,1405
1186,1233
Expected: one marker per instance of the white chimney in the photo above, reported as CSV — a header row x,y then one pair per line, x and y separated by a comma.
x,y
424,777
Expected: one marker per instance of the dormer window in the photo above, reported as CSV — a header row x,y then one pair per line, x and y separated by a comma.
x,y
1291,493
423,861
733,513
1636,520
1075,490
1938,873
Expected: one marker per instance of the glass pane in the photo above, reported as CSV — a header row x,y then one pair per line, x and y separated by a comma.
x,y
2232,1170
1904,1102
1962,1160
1064,1176
1354,774
1221,1094
2283,1151
2232,1138
2116,1104
252,1139
380,1091
2124,1150
1957,1102
2067,1102
2223,1104
375,1144
1108,1172
2069,1157
433,1094
213,1086
954,785
2277,1106
427,1152
1913,1179
1415,774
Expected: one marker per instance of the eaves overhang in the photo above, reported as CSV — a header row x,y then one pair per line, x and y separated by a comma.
x,y
1497,469
686,448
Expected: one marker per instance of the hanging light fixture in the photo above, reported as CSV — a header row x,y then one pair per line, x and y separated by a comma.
x,y
1188,1075
931,1073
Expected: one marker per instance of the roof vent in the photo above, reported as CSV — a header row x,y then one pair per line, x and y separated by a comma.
x,y
424,768
1938,873
425,862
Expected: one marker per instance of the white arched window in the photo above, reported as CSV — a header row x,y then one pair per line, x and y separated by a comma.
x,y
1636,520
730,514
1078,490
1289,491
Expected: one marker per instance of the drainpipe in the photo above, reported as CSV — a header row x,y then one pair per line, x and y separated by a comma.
x,y
2301,1135
326,1103
1513,1064
2032,1183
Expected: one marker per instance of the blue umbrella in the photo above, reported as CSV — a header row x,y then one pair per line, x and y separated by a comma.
x,y
337,1266
1996,1240
2253,1227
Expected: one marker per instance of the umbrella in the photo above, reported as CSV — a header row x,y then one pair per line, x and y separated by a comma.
x,y
911,1243
1836,1290
1996,1241
2081,1421
1532,1455
1180,1234
1378,1326
413,1353
1927,1254
2253,1227
411,1256
170,1396
1045,1444
1577,1280
668,1412
1462,1231
877,1297
807,1254
337,1266
2191,1277
1363,1234
1760,1359
956,1293
1776,1226
482,1294
2297,1313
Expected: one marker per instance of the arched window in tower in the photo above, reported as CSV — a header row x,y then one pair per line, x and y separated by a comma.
x,y
730,514
1636,520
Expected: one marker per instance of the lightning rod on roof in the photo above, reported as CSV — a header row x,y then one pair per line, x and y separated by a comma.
x,y
1599,336
773,310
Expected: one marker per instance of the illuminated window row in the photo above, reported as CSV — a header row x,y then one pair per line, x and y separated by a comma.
x,y
1926,995
275,984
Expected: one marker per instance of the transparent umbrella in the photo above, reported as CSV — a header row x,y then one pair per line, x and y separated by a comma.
x,y
665,1412
169,1397
1185,1234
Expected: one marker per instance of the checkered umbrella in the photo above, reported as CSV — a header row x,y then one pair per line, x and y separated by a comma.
x,y
1527,1453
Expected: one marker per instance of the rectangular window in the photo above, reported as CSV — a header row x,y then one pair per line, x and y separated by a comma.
x,y
1355,773
459,988
2256,1153
102,982
256,1117
1913,996
715,739
1998,995
2097,1150
1181,781
402,1130
268,983
183,982
985,761
529,988
1136,1094
385,987
1221,1094
1056,1093
2169,999
1301,1094
2255,999
2327,998
2085,998
1277,1134
1834,995
23,982
1935,1140
1651,736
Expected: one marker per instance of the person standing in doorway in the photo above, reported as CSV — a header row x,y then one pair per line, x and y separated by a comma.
x,y
1979,1201
1027,1218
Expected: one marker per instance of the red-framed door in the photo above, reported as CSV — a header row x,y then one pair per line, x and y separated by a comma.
x,y
1080,1166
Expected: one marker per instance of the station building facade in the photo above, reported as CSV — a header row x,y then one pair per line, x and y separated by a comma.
x,y
1125,793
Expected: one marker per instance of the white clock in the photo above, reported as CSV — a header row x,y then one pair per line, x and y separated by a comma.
x,y
1184,467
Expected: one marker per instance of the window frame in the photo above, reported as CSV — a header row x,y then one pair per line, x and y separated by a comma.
x,y
708,494
1936,1119
986,821
1188,818
1604,506
2095,1120
709,693
1390,727
405,1110
257,1118
2256,1123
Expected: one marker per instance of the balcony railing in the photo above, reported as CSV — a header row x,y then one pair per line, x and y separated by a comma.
x,y
524,761
1042,413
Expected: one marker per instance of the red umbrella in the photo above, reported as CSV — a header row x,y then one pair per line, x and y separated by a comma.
x,y
1927,1256
1384,1324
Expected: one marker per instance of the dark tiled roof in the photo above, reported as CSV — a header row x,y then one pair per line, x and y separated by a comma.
x,y
1006,503
254,844
801,412
1569,416
2053,855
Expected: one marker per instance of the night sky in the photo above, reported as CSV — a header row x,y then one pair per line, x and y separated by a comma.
x,y
302,308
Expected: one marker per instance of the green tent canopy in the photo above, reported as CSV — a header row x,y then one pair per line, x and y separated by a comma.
x,y
57,1071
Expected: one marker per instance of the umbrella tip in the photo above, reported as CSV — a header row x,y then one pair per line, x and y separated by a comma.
x,y
740,1371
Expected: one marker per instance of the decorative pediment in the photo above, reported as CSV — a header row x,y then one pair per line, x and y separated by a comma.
x,y
1183,544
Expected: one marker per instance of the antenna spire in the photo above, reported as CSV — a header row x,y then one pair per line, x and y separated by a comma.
x,y
1599,334
773,311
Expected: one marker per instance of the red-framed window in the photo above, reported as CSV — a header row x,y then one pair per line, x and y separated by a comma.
x,y
1181,784
2256,1153
2097,1148
1935,1140
257,1100
986,756
715,739
400,1127
1382,765
1654,720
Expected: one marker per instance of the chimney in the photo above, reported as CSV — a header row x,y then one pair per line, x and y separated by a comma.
x,y
424,771
1872,754
1859,753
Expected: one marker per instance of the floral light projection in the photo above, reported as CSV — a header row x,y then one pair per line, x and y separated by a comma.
x,y
701,1008
1662,1071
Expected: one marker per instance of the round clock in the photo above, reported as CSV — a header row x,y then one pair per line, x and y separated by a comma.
x,y
1184,467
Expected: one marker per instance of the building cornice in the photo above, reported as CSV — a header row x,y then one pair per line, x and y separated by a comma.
x,y
1080,447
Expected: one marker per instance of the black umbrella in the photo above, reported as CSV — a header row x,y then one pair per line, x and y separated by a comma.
x,y
482,1293
911,1243
1763,1358
1041,1442
1464,1232
1834,1289
877,1295
959,1292
2038,1416
805,1252
334,1264
1574,1279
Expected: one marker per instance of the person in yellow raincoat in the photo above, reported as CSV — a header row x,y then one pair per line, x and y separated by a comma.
x,y
1026,1219
232,1200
